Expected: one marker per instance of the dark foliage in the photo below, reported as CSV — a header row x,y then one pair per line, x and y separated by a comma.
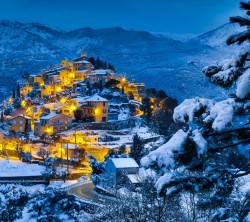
x,y
241,37
137,148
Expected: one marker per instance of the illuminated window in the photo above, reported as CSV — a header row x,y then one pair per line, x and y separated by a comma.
x,y
21,122
21,128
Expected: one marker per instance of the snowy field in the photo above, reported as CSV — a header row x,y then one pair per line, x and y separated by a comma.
x,y
18,168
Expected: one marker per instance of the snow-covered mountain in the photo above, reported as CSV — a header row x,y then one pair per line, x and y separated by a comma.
x,y
218,36
159,61
180,37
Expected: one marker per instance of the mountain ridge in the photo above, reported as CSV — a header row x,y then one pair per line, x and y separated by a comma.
x,y
218,36
159,61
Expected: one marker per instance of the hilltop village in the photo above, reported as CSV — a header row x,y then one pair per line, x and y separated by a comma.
x,y
72,110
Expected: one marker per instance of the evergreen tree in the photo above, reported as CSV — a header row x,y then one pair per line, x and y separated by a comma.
x,y
2,116
25,75
206,159
100,86
243,36
98,63
17,102
92,60
122,149
160,95
226,72
105,65
137,148
13,93
111,67
146,107
131,96
112,83
162,117
78,114
18,90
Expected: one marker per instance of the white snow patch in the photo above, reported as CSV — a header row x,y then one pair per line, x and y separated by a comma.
x,y
247,218
17,168
243,85
164,156
200,142
225,75
161,181
221,114
189,107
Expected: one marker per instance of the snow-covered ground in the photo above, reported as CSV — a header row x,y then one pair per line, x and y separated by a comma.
x,y
125,135
18,168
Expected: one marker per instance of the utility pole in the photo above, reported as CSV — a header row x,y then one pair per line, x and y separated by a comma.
x,y
67,157
75,138
61,156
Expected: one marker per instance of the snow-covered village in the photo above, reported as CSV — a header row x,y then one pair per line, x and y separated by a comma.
x,y
115,124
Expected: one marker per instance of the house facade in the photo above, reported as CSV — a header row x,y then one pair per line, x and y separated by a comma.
x,y
98,106
51,124
120,171
20,124
99,76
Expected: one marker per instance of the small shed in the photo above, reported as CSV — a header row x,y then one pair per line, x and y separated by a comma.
x,y
120,168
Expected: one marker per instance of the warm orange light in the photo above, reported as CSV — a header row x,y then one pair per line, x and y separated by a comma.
x,y
63,100
23,103
49,130
28,111
73,107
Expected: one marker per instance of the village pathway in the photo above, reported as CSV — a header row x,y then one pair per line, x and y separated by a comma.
x,y
85,191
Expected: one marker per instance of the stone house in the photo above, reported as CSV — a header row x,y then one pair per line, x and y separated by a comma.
x,y
99,76
51,124
20,124
98,106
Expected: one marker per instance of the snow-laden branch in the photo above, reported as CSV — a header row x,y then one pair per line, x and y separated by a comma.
x,y
218,149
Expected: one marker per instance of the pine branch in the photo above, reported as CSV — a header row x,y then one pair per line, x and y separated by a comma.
x,y
238,38
205,181
240,20
229,131
245,5
241,174
218,149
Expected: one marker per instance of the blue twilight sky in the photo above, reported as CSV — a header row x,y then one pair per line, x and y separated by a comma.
x,y
176,16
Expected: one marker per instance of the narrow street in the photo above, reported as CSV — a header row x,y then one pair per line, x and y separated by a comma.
x,y
85,191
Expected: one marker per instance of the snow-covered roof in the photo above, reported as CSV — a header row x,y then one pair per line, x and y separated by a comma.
x,y
70,146
81,99
82,70
26,117
49,116
82,61
124,162
133,178
100,72
135,102
54,105
96,98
